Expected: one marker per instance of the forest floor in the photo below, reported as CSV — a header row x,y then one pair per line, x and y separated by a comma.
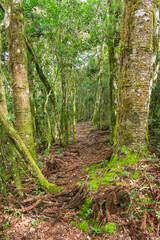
x,y
108,203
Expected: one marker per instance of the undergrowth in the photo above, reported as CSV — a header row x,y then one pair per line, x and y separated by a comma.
x,y
141,198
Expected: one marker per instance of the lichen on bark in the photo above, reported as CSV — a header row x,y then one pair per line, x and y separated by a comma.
x,y
134,78
18,67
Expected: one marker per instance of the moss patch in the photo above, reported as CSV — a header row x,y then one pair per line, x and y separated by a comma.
x,y
109,228
83,226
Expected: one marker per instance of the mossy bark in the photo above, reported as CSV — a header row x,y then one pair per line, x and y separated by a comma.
x,y
11,148
21,147
134,79
18,66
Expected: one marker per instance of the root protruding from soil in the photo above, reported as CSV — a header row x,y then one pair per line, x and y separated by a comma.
x,y
70,198
108,201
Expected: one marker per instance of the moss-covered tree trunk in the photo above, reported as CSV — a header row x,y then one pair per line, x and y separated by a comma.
x,y
21,147
11,151
18,66
134,86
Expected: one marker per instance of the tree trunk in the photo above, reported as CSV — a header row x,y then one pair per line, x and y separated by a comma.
x,y
74,110
21,147
11,148
18,66
64,114
113,46
49,89
96,120
134,86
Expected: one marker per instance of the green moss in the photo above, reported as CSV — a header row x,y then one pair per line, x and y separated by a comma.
x,y
109,228
108,177
72,223
83,226
93,184
118,183
129,157
87,202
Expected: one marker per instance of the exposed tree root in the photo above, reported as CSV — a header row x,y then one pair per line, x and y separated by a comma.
x,y
68,199
108,201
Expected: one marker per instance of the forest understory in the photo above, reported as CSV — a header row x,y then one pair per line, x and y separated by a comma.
x,y
97,202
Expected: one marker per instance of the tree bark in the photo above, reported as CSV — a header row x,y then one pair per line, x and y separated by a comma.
x,y
134,86
11,148
18,66
113,54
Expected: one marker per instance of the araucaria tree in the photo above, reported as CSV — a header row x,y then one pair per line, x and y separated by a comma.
x,y
135,83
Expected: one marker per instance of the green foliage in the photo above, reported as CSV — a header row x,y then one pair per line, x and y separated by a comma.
x,y
72,223
83,226
59,153
95,230
86,208
109,228
6,225
40,164
17,213
37,191
34,222
157,214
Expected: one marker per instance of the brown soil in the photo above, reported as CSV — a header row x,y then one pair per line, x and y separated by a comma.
x,y
49,216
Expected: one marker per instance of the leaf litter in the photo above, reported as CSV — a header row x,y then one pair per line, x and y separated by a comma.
x,y
131,201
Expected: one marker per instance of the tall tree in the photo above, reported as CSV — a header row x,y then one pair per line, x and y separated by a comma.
x,y
134,86
18,66
11,151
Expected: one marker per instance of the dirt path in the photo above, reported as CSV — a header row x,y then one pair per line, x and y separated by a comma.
x,y
64,167
91,146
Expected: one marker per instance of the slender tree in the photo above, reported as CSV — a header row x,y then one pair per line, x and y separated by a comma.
x,y
96,120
